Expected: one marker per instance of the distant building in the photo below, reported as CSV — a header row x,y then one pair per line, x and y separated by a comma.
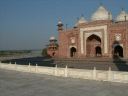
x,y
52,48
100,37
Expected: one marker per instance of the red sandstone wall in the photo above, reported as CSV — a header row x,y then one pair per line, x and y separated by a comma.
x,y
113,28
119,28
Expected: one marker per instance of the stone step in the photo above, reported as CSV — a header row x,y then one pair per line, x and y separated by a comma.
x,y
100,64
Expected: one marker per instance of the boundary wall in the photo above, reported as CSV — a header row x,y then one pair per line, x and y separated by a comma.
x,y
100,75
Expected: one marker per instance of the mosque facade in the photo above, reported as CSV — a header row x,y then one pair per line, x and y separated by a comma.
x,y
100,37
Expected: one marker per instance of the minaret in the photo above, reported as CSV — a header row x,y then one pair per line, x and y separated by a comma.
x,y
60,25
76,24
52,47
125,18
109,16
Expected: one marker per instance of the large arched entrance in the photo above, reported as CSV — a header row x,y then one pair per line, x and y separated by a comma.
x,y
93,46
72,52
118,51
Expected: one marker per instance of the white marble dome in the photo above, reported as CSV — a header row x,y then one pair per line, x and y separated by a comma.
x,y
52,38
121,16
101,14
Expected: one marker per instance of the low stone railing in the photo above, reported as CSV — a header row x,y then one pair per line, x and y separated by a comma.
x,y
112,76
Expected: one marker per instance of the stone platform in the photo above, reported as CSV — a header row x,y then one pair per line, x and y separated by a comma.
x,y
14,83
101,63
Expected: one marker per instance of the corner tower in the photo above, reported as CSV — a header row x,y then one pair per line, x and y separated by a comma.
x,y
60,25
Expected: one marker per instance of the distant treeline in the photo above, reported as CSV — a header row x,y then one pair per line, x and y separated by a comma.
x,y
14,52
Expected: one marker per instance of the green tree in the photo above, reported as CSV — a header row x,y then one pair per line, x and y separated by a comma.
x,y
44,52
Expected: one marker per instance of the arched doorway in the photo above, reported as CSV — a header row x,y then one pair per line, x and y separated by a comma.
x,y
98,51
72,52
118,51
93,46
53,54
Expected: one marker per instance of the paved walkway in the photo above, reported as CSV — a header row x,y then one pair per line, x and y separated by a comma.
x,y
14,83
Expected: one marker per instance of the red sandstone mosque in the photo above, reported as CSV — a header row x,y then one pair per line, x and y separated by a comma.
x,y
100,37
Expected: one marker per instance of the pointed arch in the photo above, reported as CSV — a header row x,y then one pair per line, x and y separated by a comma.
x,y
93,46
118,51
72,52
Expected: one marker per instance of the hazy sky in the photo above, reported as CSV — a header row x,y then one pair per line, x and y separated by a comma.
x,y
28,24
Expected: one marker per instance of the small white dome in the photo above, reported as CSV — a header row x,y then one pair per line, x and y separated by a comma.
x,y
101,14
80,21
52,38
121,16
59,22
